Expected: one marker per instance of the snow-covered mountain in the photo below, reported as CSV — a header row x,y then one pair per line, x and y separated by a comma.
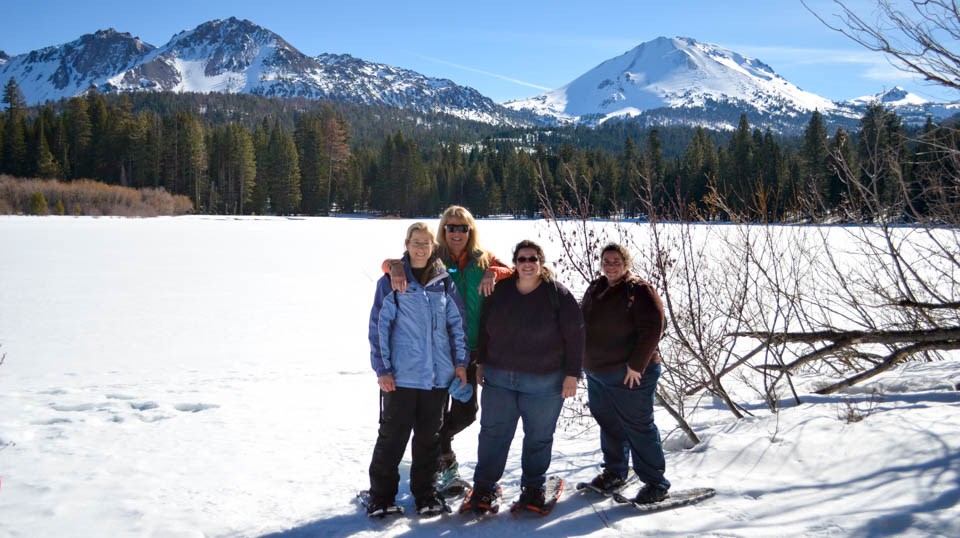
x,y
235,56
683,81
70,69
677,73
896,96
912,109
666,81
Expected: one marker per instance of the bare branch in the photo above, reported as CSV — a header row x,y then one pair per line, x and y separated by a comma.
x,y
889,362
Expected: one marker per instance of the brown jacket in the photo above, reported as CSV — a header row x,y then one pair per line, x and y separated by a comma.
x,y
624,324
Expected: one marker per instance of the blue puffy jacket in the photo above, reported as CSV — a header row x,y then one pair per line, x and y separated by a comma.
x,y
418,336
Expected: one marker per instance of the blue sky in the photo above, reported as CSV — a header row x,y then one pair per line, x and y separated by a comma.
x,y
505,49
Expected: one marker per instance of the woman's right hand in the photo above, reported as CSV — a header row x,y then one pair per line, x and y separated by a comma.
x,y
398,278
487,283
387,383
632,378
480,375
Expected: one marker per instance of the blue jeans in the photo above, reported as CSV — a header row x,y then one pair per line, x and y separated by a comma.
x,y
625,417
506,398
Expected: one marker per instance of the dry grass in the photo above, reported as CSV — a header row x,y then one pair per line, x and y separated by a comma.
x,y
87,197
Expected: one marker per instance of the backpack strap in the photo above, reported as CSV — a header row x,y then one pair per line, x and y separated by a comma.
x,y
633,284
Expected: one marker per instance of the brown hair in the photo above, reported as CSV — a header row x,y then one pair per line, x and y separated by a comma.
x,y
473,248
545,272
622,251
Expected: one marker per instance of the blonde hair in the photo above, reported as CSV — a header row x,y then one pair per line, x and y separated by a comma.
x,y
545,272
421,227
473,248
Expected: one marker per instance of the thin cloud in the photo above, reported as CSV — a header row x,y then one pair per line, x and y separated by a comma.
x,y
483,72
810,56
873,65
888,73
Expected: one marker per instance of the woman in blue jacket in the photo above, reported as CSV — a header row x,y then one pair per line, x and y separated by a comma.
x,y
417,348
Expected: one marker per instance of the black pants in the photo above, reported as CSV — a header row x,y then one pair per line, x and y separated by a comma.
x,y
459,415
402,411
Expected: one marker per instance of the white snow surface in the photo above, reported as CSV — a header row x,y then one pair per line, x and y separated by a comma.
x,y
209,376
673,72
895,97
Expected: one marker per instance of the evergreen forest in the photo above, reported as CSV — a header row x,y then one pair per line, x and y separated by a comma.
x,y
242,154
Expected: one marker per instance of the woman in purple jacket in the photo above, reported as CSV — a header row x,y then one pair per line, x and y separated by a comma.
x,y
529,359
417,348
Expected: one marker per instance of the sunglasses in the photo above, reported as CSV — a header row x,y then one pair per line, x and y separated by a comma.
x,y
461,228
525,259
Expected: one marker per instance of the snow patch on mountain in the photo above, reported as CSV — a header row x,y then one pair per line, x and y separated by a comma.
x,y
70,69
896,96
677,72
238,56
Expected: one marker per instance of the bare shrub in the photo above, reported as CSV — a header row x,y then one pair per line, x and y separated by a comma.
x,y
581,240
851,410
87,197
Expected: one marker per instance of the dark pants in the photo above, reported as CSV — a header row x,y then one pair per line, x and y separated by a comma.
x,y
402,411
625,417
459,415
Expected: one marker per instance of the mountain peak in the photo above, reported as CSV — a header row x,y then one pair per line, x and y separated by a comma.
x,y
678,72
896,96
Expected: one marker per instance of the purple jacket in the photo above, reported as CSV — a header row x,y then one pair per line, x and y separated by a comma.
x,y
539,333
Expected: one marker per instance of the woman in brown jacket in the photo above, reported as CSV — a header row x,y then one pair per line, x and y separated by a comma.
x,y
624,322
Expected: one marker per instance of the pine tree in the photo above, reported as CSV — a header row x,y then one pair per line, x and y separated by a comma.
x,y
79,133
843,160
737,186
881,151
815,157
37,204
335,139
243,166
15,137
699,170
283,172
260,202
46,166
309,139
656,169
630,178
13,97
3,129
96,165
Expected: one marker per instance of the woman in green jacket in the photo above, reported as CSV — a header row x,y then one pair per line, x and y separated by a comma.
x,y
475,271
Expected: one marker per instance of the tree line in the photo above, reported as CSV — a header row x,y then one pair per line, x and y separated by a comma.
x,y
307,161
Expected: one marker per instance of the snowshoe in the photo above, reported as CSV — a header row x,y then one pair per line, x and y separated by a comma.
x,y
674,499
378,507
432,505
540,500
606,484
482,502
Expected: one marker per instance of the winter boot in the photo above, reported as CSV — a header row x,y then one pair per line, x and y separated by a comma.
x,y
608,481
649,494
431,505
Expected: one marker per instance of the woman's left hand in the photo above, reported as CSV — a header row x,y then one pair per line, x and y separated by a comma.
x,y
569,386
632,378
461,374
487,283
